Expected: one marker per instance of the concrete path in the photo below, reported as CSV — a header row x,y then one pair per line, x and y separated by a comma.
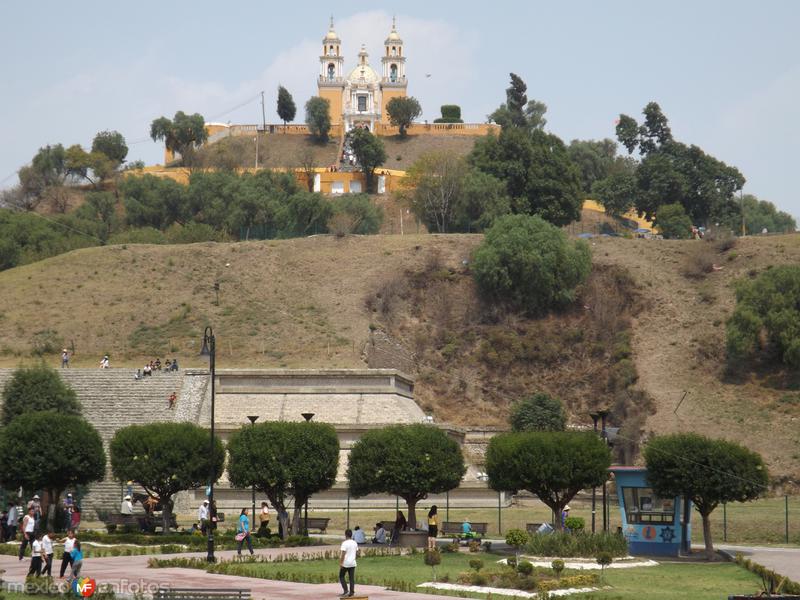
x,y
785,561
129,574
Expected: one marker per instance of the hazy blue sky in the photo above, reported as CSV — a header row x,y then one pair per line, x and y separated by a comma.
x,y
726,73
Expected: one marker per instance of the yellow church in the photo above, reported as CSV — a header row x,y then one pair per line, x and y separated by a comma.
x,y
360,98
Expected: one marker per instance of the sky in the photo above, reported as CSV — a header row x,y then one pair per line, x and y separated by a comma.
x,y
726,73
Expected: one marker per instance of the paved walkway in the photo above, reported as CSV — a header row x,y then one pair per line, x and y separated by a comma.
x,y
131,574
785,561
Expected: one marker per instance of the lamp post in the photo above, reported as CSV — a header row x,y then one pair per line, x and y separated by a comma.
x,y
210,349
603,414
595,417
253,419
307,416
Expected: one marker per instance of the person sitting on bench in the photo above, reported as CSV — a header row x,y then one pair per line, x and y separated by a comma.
x,y
380,534
466,530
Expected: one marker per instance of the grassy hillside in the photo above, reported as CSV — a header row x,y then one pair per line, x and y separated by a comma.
x,y
641,335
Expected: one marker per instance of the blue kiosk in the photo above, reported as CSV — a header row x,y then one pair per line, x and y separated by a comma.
x,y
652,526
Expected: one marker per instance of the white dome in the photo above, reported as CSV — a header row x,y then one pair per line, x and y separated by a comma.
x,y
363,74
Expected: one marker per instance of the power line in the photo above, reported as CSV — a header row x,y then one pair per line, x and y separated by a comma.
x,y
230,110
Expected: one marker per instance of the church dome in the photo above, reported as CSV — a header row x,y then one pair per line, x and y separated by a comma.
x,y
394,37
363,74
331,35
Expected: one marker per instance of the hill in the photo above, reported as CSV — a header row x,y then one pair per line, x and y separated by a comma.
x,y
642,335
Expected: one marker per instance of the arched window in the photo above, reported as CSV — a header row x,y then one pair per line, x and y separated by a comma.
x,y
330,51
394,50
393,73
331,71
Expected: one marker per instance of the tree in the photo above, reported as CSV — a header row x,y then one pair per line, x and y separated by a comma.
x,y
554,465
165,458
673,222
182,134
284,460
518,111
402,111
286,107
410,461
529,264
303,214
370,154
760,215
706,471
35,389
435,183
594,159
52,451
112,145
481,201
364,216
766,319
540,178
154,201
617,192
318,118
100,207
539,412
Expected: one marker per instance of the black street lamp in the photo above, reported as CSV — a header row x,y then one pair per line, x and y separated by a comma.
x,y
595,417
307,416
210,349
253,419
603,414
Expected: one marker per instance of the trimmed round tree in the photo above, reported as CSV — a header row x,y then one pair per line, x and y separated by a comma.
x,y
50,451
165,458
284,460
539,412
554,465
37,388
706,471
402,111
410,461
529,264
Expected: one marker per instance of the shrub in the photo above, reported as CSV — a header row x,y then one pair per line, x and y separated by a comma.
x,y
139,235
192,233
432,558
699,262
525,568
474,546
673,222
357,211
586,545
475,563
529,264
539,412
516,538
604,559
558,567
451,113
575,524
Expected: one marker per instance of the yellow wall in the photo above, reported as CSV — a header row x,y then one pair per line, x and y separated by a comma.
x,y
467,129
387,94
631,215
334,96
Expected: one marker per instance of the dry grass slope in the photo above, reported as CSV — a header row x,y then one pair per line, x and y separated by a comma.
x,y
304,303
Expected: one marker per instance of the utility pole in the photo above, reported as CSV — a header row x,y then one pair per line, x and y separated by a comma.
x,y
741,204
263,114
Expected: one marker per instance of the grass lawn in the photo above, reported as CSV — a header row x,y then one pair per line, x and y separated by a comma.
x,y
668,581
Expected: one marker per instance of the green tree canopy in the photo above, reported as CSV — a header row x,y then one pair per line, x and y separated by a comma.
x,y
410,461
318,118
35,389
51,451
181,134
112,145
538,412
286,107
284,460
154,201
518,111
616,192
166,458
539,176
365,215
706,471
766,320
673,222
529,264
370,153
760,215
402,112
554,465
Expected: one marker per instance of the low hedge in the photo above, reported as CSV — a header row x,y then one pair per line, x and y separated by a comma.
x,y
584,545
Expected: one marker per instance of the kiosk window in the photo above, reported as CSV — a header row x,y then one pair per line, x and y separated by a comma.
x,y
643,506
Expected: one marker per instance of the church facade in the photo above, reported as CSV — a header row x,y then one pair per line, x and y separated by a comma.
x,y
359,98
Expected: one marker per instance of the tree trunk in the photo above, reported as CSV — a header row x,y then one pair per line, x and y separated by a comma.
x,y
283,520
557,510
166,514
412,513
296,518
710,555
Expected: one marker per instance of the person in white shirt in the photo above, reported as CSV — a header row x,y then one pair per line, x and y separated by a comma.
x,y
66,558
358,535
28,526
202,516
47,547
37,556
263,519
347,563
127,506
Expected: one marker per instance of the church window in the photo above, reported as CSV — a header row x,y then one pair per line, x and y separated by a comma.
x,y
394,50
331,71
330,51
362,103
393,73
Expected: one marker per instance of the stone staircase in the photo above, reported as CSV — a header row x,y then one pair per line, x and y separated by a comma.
x,y
112,399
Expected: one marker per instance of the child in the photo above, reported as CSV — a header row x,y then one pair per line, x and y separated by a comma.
x,y
66,558
47,547
37,556
77,560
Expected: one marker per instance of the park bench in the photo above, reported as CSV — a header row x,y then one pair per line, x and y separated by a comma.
x,y
453,529
202,594
320,523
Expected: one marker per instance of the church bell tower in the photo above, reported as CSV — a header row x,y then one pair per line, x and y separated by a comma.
x,y
393,81
330,84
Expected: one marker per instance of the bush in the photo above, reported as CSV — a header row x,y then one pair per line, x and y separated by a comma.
x,y
673,222
558,567
587,545
474,546
192,233
451,111
516,538
575,524
699,262
358,212
530,264
766,308
539,412
140,235
475,563
525,568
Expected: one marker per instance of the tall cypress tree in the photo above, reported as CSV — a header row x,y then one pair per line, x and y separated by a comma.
x,y
286,107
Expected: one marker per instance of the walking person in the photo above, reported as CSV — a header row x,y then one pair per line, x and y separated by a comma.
x,y
66,557
12,522
347,564
243,533
65,359
28,527
47,547
77,560
263,519
37,556
202,516
433,527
